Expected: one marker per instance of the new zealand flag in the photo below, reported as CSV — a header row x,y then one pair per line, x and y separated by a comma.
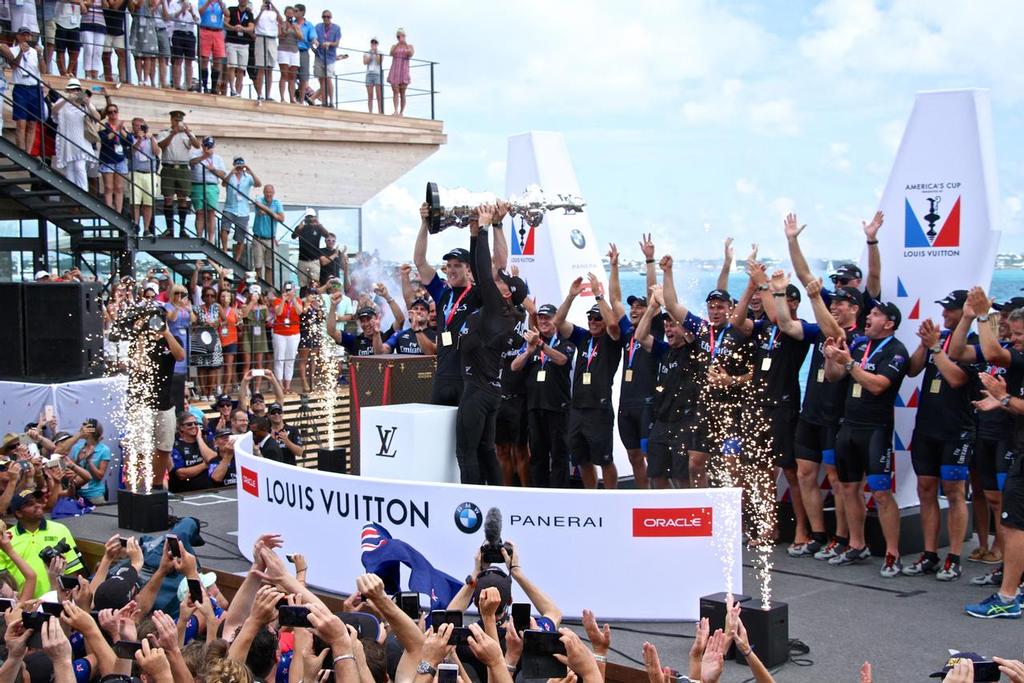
x,y
384,556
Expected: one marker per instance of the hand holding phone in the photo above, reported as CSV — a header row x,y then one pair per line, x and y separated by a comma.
x,y
174,546
296,616
195,591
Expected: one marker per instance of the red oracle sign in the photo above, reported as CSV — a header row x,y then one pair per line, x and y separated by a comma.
x,y
250,482
661,522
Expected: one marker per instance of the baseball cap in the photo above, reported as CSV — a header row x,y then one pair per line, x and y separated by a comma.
x,y
954,658
208,579
548,310
849,294
153,286
176,114
630,300
366,312
61,436
891,311
420,301
222,432
517,287
792,292
594,313
274,408
222,400
374,40
458,253
208,141
719,294
117,589
23,498
42,275
257,396
39,666
953,300
73,84
25,29
847,271
1011,304
239,161
493,577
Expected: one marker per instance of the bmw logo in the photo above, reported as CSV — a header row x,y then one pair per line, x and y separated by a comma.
x,y
578,240
468,518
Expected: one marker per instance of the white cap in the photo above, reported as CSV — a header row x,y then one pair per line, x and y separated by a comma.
x,y
309,212
73,84
40,274
154,286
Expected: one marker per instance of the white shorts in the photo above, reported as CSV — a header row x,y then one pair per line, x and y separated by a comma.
x,y
163,430
113,42
287,58
238,55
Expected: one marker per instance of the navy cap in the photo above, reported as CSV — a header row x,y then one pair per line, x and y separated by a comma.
x,y
548,310
517,287
1010,305
891,311
719,294
222,400
850,294
954,658
458,253
208,141
419,301
222,432
954,300
594,313
792,292
847,271
274,408
23,498
366,312
257,396
630,300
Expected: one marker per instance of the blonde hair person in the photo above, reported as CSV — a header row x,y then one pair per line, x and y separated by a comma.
x,y
398,75
227,671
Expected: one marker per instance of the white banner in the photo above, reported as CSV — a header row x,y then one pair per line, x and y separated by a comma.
x,y
623,554
408,441
940,234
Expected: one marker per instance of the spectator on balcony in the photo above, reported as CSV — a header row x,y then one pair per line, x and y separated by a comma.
x,y
114,145
207,173
240,26
333,261
182,17
398,74
239,183
204,275
309,232
143,40
307,33
328,37
207,354
287,309
49,34
372,58
164,25
26,65
230,315
73,150
94,30
211,43
23,14
176,145
114,16
268,27
288,55
180,318
67,35
311,332
144,162
253,343
269,213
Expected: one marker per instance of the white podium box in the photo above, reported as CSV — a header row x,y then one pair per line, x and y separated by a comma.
x,y
409,442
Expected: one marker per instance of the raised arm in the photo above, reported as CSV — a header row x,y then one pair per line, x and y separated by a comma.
x,y
958,348
651,268
499,260
611,323
614,288
671,302
950,371
545,605
979,305
419,251
874,282
489,292
408,294
643,327
822,315
783,319
796,255
563,325
723,275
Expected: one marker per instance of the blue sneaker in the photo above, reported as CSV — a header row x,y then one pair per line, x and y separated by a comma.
x,y
993,607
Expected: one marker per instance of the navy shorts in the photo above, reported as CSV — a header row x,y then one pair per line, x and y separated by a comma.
x,y
990,460
942,458
590,435
28,103
635,425
865,452
815,442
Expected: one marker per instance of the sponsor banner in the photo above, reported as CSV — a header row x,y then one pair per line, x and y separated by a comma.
x,y
623,554
408,441
940,230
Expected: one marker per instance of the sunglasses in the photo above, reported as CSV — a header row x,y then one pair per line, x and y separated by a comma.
x,y
325,16
189,424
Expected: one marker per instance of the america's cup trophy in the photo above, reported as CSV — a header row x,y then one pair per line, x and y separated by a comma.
x,y
457,206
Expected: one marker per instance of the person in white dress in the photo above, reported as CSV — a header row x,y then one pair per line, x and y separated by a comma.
x,y
73,151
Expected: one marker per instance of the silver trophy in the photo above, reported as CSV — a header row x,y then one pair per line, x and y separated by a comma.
x,y
457,206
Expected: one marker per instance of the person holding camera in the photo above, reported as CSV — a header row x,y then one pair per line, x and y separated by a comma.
x,y
287,310
38,541
88,460
176,144
145,162
309,232
239,183
269,211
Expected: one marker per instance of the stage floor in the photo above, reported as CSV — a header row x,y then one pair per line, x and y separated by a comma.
x,y
903,626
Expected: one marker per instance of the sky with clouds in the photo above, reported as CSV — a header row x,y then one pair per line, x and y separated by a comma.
x,y
693,119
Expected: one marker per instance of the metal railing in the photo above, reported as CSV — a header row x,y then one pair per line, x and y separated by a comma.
x,y
133,58
282,267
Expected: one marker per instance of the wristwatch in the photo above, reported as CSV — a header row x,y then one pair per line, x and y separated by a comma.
x,y
936,349
848,365
762,288
425,668
1005,401
982,318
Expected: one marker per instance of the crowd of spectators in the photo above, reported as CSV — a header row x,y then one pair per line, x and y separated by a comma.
x,y
202,46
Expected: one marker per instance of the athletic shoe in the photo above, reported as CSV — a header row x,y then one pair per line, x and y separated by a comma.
x,y
950,571
848,556
993,607
891,567
829,551
992,578
865,554
805,549
923,565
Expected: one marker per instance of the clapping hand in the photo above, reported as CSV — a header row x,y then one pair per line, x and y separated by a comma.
x,y
791,226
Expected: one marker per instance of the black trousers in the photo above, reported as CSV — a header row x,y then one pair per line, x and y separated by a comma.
x,y
446,391
474,436
549,451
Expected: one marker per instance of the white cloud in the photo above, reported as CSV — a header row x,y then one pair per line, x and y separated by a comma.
x,y
747,186
838,156
774,117
890,134
781,206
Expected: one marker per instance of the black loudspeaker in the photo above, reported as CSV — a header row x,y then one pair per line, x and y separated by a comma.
x,y
143,512
12,333
63,331
331,460
713,607
768,631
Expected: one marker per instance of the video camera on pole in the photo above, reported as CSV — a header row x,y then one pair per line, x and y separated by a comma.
x,y
490,550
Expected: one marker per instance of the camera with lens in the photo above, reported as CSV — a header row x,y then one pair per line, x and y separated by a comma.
x,y
151,317
52,551
490,549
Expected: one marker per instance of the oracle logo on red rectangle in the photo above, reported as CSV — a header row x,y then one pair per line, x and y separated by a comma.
x,y
662,522
250,482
